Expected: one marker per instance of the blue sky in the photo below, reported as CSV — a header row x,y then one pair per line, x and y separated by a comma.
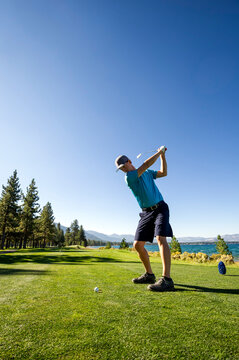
x,y
84,81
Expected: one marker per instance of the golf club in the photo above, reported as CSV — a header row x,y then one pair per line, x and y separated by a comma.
x,y
147,152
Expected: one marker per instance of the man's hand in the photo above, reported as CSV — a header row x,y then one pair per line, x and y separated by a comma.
x,y
162,149
150,161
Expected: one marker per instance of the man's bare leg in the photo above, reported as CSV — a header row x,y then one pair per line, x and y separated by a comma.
x,y
143,255
165,255
165,283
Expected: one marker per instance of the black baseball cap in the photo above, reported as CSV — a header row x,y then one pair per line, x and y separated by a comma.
x,y
120,161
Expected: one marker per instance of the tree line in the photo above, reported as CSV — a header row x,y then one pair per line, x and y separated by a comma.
x,y
75,235
24,224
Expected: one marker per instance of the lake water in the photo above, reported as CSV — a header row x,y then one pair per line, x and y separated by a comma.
x,y
208,249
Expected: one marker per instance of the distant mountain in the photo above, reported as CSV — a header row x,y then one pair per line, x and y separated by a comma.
x,y
111,238
94,235
87,234
189,239
227,238
231,238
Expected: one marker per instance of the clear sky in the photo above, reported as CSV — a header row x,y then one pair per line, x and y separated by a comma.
x,y
84,81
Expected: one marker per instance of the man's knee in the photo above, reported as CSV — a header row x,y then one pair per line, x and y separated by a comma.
x,y
161,239
138,245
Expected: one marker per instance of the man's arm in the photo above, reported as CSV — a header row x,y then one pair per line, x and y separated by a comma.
x,y
149,162
163,171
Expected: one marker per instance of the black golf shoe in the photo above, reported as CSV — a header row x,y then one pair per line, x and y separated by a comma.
x,y
145,279
162,285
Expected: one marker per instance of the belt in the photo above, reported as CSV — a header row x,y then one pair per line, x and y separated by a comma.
x,y
151,208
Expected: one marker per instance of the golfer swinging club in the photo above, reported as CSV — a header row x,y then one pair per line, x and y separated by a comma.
x,y
154,218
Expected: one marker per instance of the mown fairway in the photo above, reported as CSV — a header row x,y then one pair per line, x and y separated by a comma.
x,y
48,309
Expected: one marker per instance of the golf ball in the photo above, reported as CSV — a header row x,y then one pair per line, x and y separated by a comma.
x,y
96,289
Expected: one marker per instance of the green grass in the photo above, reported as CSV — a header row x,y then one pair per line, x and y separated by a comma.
x,y
48,309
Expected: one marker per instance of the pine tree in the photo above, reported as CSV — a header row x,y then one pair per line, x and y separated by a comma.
x,y
60,238
124,244
46,225
108,245
175,246
9,209
82,237
222,247
68,236
30,210
36,238
75,232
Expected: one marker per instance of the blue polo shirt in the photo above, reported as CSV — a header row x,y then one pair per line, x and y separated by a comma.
x,y
144,189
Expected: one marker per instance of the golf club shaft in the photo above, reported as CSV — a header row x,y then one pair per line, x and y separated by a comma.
x,y
148,152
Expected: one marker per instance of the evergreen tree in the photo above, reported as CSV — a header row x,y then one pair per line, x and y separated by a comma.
x,y
108,245
68,236
9,209
36,238
222,247
60,238
30,210
82,237
175,246
46,225
124,244
75,232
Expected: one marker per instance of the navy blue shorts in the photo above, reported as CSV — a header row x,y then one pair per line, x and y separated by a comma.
x,y
154,223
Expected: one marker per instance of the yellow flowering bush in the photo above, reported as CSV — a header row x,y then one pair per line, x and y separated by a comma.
x,y
199,257
176,255
184,256
202,257
227,259
154,253
215,257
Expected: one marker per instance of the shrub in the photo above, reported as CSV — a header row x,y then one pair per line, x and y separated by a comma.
x,y
154,253
176,255
227,259
215,257
184,256
199,257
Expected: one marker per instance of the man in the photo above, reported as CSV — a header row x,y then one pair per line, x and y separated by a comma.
x,y
154,218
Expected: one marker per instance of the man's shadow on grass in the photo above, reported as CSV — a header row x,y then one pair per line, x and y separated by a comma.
x,y
206,289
